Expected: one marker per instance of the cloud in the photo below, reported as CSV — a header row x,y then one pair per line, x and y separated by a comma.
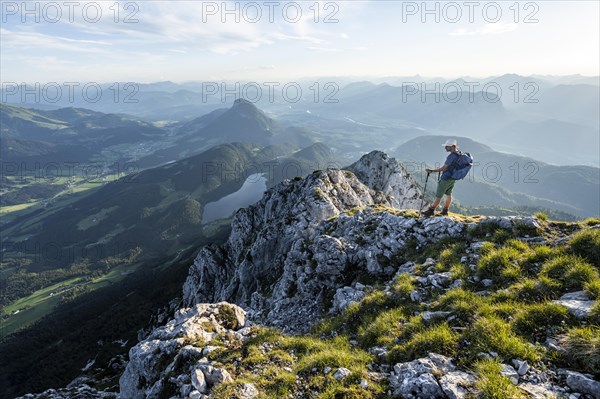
x,y
498,28
169,27
29,40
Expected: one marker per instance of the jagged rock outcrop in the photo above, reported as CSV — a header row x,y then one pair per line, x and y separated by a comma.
x,y
171,360
383,173
284,253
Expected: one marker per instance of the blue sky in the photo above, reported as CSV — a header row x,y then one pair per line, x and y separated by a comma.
x,y
185,41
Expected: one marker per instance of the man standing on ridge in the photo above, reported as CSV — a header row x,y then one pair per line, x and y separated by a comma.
x,y
446,183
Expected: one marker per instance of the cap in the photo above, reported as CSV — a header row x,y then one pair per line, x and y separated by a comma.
x,y
449,143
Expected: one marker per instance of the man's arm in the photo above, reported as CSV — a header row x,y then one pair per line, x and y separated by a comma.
x,y
449,161
440,169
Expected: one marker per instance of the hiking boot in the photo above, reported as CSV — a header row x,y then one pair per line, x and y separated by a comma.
x,y
429,212
444,212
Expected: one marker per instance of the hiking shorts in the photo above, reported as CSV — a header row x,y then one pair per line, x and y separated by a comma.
x,y
444,187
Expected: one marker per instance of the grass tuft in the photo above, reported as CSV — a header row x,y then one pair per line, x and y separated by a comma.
x,y
541,216
532,290
439,339
492,384
462,303
383,330
500,265
586,244
593,288
590,222
494,334
401,287
570,271
541,320
581,347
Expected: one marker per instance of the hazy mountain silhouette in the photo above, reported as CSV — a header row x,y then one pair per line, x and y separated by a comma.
x,y
551,141
67,134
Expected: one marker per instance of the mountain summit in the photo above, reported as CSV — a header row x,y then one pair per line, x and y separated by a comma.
x,y
383,173
244,122
241,103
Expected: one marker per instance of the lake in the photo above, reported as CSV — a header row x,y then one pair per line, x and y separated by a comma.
x,y
251,191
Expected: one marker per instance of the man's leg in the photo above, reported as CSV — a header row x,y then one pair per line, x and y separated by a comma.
x,y
446,205
448,201
431,209
439,193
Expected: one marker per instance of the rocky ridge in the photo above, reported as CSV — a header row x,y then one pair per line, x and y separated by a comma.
x,y
285,253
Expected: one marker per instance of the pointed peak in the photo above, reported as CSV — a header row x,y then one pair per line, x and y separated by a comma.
x,y
381,172
242,102
374,155
245,108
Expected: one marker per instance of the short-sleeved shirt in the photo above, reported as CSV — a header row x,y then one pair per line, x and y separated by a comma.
x,y
452,157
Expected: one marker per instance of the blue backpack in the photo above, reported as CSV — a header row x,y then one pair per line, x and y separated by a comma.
x,y
462,165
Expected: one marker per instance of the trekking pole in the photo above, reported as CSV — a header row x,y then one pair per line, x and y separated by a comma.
x,y
423,196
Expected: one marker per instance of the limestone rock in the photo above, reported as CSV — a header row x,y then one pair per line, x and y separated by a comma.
x,y
417,378
578,303
382,173
541,391
580,383
341,373
440,280
456,384
511,373
74,391
429,316
344,297
199,381
166,348
521,366
248,391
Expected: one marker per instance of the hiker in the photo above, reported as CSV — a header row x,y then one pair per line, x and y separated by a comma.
x,y
446,182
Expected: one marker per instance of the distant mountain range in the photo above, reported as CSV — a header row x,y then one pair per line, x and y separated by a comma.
x,y
73,124
551,140
551,115
457,110
185,101
68,134
81,135
243,122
